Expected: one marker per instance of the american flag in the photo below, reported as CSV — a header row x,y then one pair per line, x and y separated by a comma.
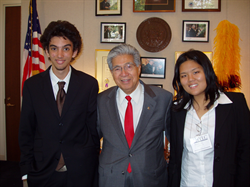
x,y
33,58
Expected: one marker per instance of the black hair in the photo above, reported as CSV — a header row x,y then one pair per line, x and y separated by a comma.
x,y
213,86
62,29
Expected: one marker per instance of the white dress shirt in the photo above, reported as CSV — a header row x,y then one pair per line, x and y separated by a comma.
x,y
137,103
197,168
54,80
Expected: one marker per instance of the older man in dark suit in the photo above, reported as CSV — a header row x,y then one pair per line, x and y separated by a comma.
x,y
58,138
132,117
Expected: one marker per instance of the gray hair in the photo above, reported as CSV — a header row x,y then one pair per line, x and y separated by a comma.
x,y
123,49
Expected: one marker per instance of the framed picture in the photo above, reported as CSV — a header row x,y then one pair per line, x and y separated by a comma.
x,y
153,5
201,6
208,53
113,32
108,7
102,72
158,85
195,31
153,67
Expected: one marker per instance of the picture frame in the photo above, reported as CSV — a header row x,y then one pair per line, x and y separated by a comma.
x,y
102,72
195,31
113,32
153,67
108,7
208,53
201,6
153,5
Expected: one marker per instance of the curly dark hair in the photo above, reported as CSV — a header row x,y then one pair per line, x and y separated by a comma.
x,y
213,86
62,29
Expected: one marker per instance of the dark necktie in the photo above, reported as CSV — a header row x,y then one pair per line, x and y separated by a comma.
x,y
60,98
128,126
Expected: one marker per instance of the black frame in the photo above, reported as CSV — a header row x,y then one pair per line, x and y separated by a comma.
x,y
150,71
115,11
119,36
191,35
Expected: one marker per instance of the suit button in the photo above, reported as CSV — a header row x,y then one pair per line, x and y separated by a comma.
x,y
217,145
217,159
123,172
61,142
130,155
60,124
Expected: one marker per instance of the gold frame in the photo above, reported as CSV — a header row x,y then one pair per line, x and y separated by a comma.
x,y
102,72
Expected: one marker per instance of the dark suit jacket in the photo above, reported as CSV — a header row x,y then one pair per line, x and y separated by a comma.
x,y
44,135
231,144
146,155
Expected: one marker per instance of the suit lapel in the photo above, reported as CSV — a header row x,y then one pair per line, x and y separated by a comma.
x,y
48,92
72,91
180,118
115,117
149,105
221,114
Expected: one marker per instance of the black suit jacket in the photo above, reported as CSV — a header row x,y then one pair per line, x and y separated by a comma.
x,y
231,144
44,135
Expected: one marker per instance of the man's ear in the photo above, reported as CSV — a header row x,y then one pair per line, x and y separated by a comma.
x,y
74,53
47,53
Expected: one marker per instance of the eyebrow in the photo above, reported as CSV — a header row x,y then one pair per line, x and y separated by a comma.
x,y
52,45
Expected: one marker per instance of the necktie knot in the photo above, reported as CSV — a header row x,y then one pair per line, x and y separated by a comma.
x,y
61,85
128,98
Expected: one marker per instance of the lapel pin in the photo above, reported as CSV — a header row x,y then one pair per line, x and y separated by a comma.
x,y
148,108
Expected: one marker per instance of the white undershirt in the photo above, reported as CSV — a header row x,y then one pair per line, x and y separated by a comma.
x,y
137,103
197,168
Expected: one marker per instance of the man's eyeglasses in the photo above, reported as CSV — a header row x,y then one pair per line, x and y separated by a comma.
x,y
127,67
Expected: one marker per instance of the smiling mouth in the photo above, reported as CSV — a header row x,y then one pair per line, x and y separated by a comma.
x,y
125,80
193,85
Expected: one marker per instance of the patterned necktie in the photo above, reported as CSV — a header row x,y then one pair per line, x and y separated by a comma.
x,y
60,98
128,126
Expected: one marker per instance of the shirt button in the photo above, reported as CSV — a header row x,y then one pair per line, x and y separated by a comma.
x,y
123,172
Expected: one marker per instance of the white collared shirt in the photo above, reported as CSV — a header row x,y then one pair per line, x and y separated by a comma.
x,y
54,80
197,168
137,103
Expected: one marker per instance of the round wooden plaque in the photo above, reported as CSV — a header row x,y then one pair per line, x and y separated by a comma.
x,y
153,34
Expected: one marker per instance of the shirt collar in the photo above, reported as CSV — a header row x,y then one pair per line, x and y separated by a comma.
x,y
223,99
55,79
135,95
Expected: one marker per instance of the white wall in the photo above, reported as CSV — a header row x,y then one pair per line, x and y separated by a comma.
x,y
82,14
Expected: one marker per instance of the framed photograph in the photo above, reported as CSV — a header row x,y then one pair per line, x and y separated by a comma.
x,y
208,53
113,32
108,7
102,72
195,31
201,5
158,85
153,67
153,5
